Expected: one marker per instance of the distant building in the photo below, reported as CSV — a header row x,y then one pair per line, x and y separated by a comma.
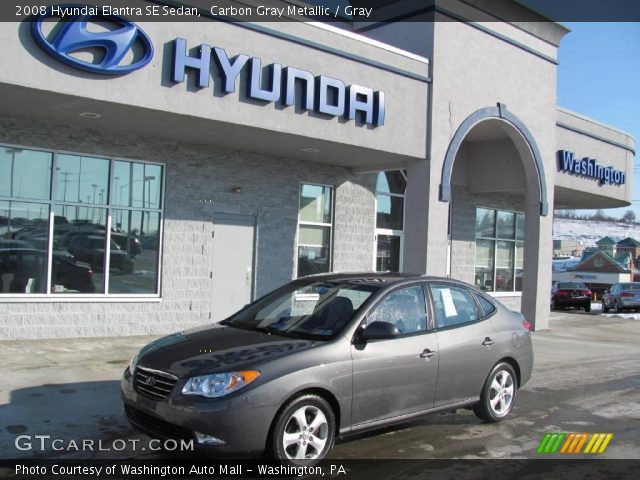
x,y
568,247
611,262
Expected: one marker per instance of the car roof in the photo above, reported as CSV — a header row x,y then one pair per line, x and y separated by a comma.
x,y
378,279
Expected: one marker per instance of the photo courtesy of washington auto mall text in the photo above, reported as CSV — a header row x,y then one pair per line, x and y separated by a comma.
x,y
359,239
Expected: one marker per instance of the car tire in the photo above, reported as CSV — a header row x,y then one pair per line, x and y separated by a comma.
x,y
498,394
605,309
554,306
304,431
587,307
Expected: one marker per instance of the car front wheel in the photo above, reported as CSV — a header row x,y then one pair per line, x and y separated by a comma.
x,y
605,309
498,394
304,431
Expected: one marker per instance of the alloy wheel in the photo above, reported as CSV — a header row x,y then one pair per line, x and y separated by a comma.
x,y
305,433
501,393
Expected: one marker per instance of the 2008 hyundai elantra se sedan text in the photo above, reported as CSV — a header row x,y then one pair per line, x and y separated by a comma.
x,y
328,356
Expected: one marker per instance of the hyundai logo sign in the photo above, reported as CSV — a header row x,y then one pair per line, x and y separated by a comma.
x,y
71,36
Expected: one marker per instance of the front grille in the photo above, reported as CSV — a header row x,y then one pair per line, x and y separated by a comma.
x,y
154,383
155,425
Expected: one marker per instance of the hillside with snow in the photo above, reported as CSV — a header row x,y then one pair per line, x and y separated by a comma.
x,y
590,231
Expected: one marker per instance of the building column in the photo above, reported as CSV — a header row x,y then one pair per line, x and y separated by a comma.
x,y
426,221
538,253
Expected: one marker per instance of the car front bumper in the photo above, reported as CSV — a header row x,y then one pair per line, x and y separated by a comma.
x,y
236,420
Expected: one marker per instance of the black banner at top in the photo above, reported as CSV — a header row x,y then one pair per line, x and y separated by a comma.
x,y
364,13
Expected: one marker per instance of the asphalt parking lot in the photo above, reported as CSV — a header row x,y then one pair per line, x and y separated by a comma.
x,y
586,379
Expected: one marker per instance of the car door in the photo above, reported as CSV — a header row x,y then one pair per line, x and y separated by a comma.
x,y
396,376
466,343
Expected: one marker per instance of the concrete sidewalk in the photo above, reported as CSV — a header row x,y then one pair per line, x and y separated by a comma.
x,y
586,378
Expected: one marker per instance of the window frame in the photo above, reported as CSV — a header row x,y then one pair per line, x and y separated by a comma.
x,y
514,243
314,224
387,231
105,296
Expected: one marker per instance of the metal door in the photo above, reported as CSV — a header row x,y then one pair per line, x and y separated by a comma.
x,y
233,264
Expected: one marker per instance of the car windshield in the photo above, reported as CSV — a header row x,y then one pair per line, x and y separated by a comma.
x,y
317,310
572,286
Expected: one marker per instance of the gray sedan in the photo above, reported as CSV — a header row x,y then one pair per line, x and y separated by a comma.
x,y
621,296
330,356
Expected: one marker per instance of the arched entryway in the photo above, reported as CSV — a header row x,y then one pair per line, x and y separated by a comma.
x,y
493,178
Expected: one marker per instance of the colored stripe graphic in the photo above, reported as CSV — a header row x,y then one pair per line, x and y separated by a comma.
x,y
572,443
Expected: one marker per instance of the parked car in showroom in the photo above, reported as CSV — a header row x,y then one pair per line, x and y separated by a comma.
x,y
622,296
330,356
570,295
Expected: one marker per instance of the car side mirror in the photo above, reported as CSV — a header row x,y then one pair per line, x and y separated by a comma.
x,y
379,331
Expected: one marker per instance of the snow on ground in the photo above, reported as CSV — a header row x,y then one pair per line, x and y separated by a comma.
x,y
596,307
590,231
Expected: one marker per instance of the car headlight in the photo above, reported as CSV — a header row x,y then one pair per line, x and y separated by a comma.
x,y
219,384
133,363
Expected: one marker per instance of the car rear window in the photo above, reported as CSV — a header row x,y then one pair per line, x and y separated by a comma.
x,y
487,306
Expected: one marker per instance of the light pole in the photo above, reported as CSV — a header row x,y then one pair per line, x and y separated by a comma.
x,y
148,178
13,152
65,174
101,203
93,210
115,189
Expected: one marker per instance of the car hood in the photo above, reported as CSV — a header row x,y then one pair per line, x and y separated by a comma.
x,y
216,348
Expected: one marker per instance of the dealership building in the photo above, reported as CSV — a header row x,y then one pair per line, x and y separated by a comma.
x,y
175,175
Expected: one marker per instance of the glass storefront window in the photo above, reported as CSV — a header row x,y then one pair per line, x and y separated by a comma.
x,y
390,189
505,224
390,212
519,265
314,229
485,223
520,226
484,264
392,181
85,191
504,266
499,250
137,185
315,204
82,179
24,229
136,235
79,235
388,253
25,174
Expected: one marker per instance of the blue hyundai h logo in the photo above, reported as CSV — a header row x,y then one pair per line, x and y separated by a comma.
x,y
71,36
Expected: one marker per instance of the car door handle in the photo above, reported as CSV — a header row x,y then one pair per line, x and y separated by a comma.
x,y
488,342
427,354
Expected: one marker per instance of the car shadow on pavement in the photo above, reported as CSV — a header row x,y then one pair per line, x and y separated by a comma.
x,y
70,411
